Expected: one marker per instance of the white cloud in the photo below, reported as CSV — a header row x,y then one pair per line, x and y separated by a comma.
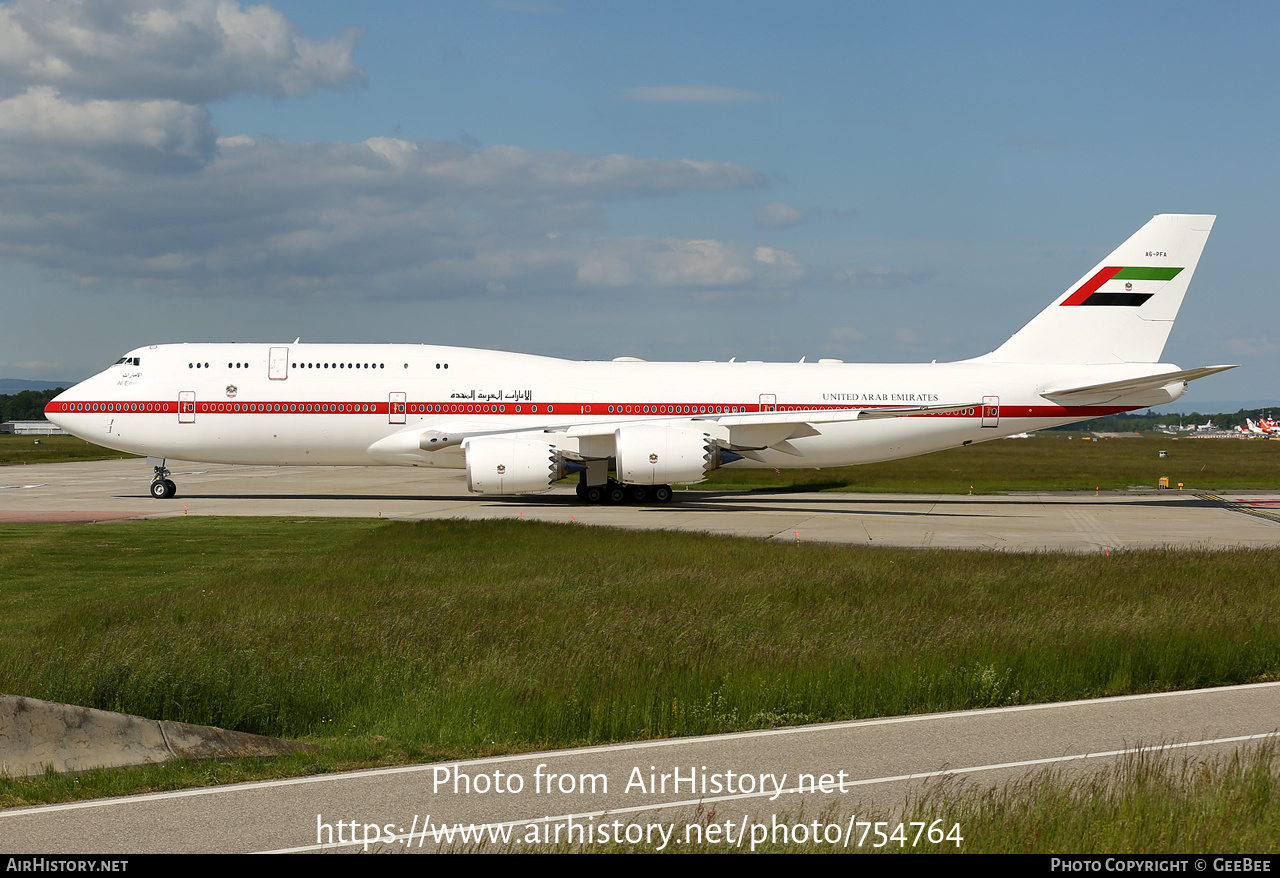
x,y
776,215
694,94
137,132
193,51
672,263
111,172
380,218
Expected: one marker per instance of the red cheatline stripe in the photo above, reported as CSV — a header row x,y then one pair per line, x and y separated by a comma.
x,y
1091,285
555,409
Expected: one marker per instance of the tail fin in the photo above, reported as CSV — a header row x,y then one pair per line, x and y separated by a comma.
x,y
1123,309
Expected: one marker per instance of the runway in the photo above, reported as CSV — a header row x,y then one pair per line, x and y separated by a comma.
x,y
1080,522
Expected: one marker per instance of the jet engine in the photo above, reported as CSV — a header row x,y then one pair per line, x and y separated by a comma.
x,y
666,455
512,464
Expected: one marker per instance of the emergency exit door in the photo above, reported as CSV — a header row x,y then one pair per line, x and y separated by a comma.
x,y
278,364
396,407
991,411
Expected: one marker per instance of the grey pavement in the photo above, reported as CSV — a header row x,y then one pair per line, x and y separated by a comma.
x,y
1084,522
866,770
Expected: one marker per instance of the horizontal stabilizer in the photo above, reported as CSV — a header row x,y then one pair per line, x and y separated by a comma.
x,y
1097,393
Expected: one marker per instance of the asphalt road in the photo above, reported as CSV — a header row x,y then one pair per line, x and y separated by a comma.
x,y
1087,522
865,770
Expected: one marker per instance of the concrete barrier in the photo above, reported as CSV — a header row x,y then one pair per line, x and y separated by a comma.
x,y
35,734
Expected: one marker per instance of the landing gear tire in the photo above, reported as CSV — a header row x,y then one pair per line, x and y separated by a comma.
x,y
161,486
616,493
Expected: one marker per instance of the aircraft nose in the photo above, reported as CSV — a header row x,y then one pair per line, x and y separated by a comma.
x,y
56,409
53,408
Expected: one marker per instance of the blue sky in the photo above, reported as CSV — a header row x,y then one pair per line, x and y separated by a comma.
x,y
877,182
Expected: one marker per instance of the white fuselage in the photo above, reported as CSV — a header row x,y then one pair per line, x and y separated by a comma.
x,y
318,404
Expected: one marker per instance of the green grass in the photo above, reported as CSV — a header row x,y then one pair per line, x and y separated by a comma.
x,y
400,642
20,450
1150,802
1045,462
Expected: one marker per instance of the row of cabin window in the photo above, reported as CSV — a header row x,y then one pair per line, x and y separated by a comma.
x,y
468,408
677,409
302,365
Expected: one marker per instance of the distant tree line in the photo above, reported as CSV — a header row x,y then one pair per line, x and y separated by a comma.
x,y
26,405
1137,422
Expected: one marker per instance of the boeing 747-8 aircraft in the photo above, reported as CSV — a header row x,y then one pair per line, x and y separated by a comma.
x,y
517,423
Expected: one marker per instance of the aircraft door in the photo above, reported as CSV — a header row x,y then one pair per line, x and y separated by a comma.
x,y
768,402
396,407
991,411
187,407
278,364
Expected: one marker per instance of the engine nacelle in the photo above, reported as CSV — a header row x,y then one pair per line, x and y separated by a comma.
x,y
512,464
664,455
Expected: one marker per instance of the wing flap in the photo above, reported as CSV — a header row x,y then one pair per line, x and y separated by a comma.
x,y
912,411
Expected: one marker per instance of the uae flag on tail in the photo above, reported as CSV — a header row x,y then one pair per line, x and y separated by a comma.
x,y
1125,286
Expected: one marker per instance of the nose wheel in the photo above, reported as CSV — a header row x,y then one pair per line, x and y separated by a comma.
x,y
162,487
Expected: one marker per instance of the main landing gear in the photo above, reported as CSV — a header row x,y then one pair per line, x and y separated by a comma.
x,y
162,487
615,493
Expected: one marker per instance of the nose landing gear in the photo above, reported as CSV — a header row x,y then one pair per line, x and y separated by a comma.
x,y
162,488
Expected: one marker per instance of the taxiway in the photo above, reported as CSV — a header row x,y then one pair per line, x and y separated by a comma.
x,y
1082,522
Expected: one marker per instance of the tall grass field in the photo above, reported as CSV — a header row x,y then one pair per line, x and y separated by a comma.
x,y
1043,462
392,642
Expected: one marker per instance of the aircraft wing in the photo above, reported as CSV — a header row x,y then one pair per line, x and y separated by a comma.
x,y
408,444
1099,394
744,433
755,431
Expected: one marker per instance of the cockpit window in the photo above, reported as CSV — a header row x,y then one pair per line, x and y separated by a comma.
x,y
129,361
